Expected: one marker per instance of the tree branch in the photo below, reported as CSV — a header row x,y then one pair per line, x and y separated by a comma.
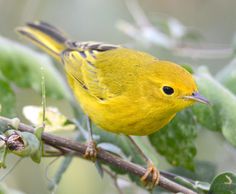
x,y
104,156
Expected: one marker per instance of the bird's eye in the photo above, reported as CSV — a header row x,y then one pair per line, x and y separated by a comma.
x,y
168,90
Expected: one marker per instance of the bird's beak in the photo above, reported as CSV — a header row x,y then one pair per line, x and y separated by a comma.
x,y
197,97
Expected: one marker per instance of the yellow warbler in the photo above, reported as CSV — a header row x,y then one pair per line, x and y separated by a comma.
x,y
122,90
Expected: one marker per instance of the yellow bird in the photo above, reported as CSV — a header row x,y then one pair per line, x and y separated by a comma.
x,y
121,90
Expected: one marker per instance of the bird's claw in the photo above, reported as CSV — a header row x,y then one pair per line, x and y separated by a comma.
x,y
151,169
91,151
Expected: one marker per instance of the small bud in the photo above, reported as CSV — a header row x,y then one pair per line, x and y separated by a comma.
x,y
15,142
23,144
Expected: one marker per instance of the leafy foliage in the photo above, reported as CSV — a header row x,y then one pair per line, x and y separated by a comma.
x,y
224,183
176,140
218,116
22,67
227,76
204,171
7,99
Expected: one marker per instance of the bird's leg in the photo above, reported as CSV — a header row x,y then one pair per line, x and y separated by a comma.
x,y
151,169
91,150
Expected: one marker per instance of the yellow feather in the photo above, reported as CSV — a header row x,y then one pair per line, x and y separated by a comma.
x,y
120,89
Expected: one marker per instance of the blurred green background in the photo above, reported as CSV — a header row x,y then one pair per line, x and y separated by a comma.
x,y
97,20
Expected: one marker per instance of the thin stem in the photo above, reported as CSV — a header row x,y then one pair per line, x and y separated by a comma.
x,y
138,149
90,131
43,87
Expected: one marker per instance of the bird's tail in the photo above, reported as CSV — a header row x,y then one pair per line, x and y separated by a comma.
x,y
45,36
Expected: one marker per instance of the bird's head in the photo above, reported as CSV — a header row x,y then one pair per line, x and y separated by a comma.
x,y
175,86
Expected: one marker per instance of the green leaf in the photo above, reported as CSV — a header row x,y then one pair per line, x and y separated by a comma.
x,y
32,144
111,148
188,68
227,76
3,154
204,171
22,66
36,157
199,187
7,99
224,183
176,140
99,168
221,114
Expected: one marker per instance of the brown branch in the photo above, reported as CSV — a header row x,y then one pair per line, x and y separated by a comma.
x,y
104,156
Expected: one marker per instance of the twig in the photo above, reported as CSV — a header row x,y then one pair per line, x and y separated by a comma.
x,y
103,156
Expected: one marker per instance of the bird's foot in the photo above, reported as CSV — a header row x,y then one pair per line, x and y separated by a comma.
x,y
91,151
154,172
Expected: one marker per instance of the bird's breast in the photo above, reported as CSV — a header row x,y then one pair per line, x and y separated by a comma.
x,y
124,115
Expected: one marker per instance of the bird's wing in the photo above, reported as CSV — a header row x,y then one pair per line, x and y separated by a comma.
x,y
82,61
